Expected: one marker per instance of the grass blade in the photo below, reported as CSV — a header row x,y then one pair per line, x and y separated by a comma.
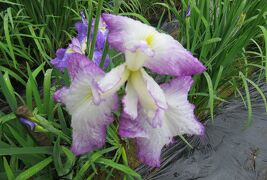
x,y
47,89
265,40
34,88
119,167
34,169
26,150
8,39
96,24
249,106
5,90
8,170
211,95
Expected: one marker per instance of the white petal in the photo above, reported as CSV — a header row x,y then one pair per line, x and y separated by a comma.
x,y
90,113
130,101
113,80
172,58
135,57
150,95
124,32
157,51
149,140
89,121
180,113
179,119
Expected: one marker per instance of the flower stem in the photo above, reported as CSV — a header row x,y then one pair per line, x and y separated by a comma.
x,y
104,54
117,4
89,15
98,14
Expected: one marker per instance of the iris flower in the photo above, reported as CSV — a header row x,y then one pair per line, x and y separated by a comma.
x,y
91,112
144,46
152,114
178,119
30,125
79,45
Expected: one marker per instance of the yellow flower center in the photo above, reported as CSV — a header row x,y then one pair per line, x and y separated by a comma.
x,y
102,29
88,97
149,39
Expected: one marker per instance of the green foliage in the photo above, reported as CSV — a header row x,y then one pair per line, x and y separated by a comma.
x,y
218,32
227,36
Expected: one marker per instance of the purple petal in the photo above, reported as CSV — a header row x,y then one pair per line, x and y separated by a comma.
x,y
89,123
124,32
89,120
82,28
101,34
60,53
97,59
90,112
171,58
117,31
61,60
58,95
149,140
100,40
188,11
29,124
76,46
80,63
179,119
180,110
164,55
131,128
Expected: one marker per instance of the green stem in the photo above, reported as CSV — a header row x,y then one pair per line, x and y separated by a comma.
x,y
104,54
98,14
89,15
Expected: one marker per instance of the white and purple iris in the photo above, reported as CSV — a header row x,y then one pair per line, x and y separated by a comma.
x,y
152,114
91,112
79,44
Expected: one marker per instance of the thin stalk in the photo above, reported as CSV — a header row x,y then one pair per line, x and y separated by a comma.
x,y
98,14
89,15
117,4
104,54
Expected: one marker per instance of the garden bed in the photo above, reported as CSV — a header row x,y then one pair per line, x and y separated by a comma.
x,y
226,36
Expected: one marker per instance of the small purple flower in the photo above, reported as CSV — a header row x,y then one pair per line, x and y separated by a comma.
x,y
82,28
62,55
60,62
78,44
29,124
101,34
